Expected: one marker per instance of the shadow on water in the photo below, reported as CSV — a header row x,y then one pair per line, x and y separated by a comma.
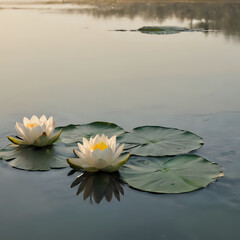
x,y
96,186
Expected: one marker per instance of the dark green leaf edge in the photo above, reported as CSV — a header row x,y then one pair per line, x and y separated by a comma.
x,y
95,122
72,126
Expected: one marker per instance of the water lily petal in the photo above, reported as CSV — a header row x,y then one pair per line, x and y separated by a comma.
x,y
117,153
117,165
35,133
43,127
122,160
43,119
34,119
41,141
77,153
91,141
96,154
80,155
54,138
43,123
81,148
17,141
25,121
89,157
78,164
96,140
104,138
98,162
112,143
28,134
107,154
85,143
50,128
49,131
22,132
50,122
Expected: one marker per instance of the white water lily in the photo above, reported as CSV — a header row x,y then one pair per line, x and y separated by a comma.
x,y
36,131
99,154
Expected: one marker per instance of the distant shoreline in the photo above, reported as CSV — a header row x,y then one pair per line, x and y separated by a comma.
x,y
113,1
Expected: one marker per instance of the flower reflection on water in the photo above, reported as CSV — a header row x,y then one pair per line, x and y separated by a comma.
x,y
98,185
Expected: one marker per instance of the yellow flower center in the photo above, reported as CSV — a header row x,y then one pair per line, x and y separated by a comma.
x,y
102,146
31,125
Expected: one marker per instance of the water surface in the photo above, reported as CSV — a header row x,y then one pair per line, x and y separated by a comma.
x,y
63,59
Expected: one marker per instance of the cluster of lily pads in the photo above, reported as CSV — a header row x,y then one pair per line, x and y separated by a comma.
x,y
149,158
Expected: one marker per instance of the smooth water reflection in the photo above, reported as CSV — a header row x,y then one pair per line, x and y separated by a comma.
x,y
68,62
222,17
69,65
96,186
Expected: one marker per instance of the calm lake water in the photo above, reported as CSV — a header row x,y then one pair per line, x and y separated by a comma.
x,y
64,59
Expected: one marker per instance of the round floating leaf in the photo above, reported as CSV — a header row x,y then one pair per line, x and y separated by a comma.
x,y
161,141
75,133
34,158
179,174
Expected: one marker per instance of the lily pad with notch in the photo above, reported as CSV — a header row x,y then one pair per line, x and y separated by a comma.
x,y
161,141
178,174
75,133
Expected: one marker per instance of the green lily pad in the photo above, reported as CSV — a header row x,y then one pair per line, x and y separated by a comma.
x,y
163,30
161,141
75,133
34,158
179,174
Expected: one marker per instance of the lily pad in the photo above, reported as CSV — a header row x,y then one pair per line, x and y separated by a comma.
x,y
161,141
75,133
163,30
179,174
34,158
